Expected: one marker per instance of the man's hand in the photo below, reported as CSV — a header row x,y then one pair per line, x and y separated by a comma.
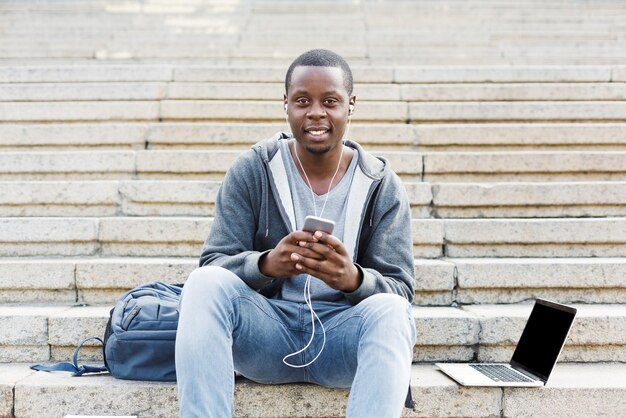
x,y
326,258
278,262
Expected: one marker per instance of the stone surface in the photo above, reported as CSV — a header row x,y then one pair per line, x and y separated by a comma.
x,y
429,387
563,295
36,274
583,273
435,353
60,135
149,198
520,162
520,134
522,111
84,73
427,237
526,199
434,275
10,374
154,229
433,298
445,326
38,230
619,73
229,74
93,395
103,394
46,165
513,92
82,91
25,325
71,326
534,238
483,74
24,353
195,162
58,198
573,390
126,273
78,111
38,296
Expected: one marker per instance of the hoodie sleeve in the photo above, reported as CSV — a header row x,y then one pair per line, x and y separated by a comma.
x,y
387,261
230,243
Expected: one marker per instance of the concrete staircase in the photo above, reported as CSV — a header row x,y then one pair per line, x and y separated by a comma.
x,y
507,122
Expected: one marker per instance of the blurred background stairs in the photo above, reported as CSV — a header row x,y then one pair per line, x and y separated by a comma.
x,y
505,119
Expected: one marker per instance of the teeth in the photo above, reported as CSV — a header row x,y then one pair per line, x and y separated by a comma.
x,y
317,132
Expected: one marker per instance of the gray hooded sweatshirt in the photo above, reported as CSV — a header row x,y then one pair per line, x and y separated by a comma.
x,y
253,212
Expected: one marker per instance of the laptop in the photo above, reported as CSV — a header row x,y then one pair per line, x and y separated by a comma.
x,y
534,358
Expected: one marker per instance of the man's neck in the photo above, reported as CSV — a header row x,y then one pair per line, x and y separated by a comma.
x,y
320,168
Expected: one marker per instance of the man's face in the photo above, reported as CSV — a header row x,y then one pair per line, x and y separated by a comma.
x,y
318,105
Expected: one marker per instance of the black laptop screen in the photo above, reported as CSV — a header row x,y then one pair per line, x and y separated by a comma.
x,y
543,338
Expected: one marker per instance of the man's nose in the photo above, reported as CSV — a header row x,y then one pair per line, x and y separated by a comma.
x,y
316,111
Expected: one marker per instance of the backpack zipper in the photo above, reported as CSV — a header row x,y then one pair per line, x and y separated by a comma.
x,y
131,315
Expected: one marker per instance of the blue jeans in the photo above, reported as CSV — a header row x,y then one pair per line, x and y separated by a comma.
x,y
225,326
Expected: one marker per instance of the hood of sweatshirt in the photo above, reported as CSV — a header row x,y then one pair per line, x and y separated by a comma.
x,y
369,174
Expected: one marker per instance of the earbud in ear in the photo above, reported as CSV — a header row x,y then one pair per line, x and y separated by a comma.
x,y
350,109
285,108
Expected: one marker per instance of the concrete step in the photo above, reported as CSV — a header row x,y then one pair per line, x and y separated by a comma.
x,y
517,111
261,110
488,166
522,166
135,198
536,199
197,198
267,73
441,282
132,91
172,110
396,136
418,74
432,238
575,390
483,332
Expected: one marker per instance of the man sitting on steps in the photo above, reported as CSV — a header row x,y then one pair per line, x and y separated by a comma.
x,y
280,304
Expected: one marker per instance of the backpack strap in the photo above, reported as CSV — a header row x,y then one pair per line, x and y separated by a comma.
x,y
72,367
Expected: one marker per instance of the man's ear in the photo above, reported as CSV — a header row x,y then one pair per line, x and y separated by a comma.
x,y
285,102
352,104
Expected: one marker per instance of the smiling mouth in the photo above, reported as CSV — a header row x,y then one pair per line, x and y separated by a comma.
x,y
316,132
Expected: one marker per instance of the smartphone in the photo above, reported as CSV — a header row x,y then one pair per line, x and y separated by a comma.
x,y
313,223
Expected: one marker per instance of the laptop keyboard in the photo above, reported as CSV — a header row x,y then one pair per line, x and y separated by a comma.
x,y
501,373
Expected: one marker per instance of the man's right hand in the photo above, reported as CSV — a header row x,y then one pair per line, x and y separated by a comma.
x,y
278,262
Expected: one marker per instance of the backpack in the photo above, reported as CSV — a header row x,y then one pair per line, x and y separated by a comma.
x,y
139,338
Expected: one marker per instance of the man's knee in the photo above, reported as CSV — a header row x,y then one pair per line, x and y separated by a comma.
x,y
209,282
390,311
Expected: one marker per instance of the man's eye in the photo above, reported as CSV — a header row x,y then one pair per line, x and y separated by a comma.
x,y
331,102
302,101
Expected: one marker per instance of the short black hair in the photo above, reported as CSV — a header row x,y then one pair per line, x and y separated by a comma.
x,y
321,58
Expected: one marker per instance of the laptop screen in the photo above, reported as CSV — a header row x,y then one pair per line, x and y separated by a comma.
x,y
543,338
